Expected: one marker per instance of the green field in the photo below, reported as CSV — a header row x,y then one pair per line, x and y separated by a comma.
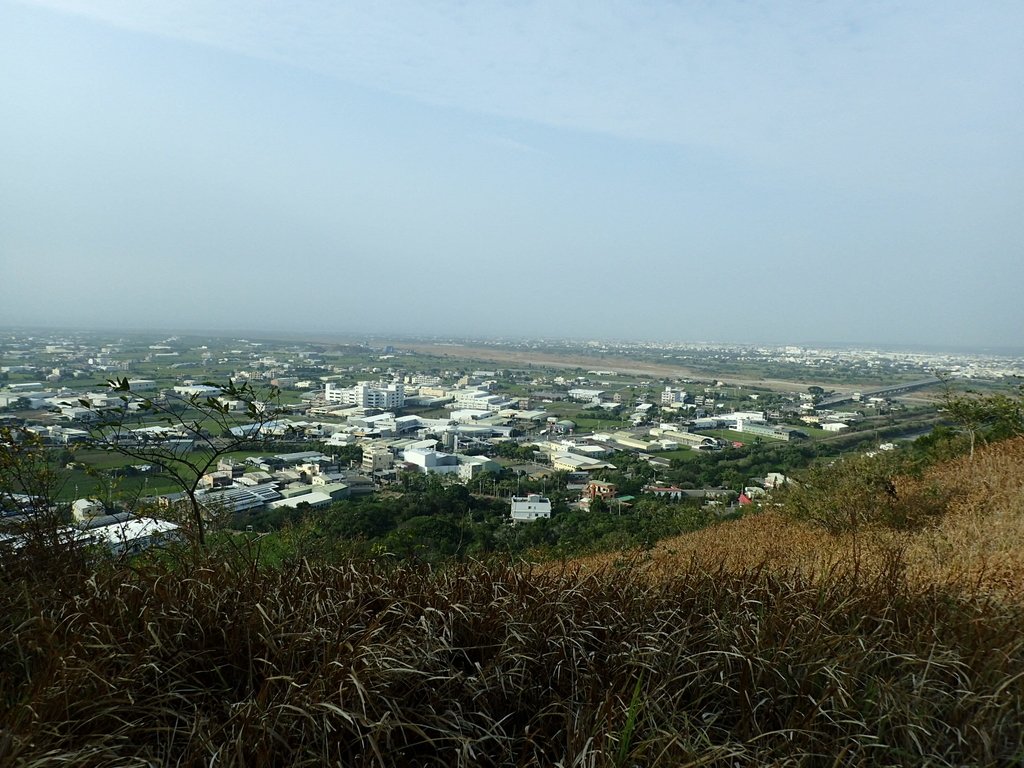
x,y
740,437
97,480
596,425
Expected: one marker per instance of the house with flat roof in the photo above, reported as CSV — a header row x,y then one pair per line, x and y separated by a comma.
x,y
526,509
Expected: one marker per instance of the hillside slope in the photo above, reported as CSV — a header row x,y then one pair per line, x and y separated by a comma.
x,y
762,642
977,543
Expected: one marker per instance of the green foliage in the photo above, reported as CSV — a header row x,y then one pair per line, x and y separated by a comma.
x,y
348,454
510,450
857,492
984,417
626,741
204,424
438,522
30,474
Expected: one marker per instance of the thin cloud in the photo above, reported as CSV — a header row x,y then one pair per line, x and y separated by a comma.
x,y
742,78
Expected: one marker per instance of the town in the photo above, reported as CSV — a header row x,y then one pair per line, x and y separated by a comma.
x,y
528,426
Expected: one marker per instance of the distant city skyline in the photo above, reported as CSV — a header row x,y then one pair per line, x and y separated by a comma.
x,y
343,337
762,173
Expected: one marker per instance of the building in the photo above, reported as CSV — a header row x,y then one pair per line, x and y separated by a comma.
x,y
314,499
586,395
427,460
377,458
666,491
87,509
366,394
673,396
627,440
526,509
478,400
765,430
734,419
132,535
198,391
834,426
573,462
235,499
430,461
471,466
598,489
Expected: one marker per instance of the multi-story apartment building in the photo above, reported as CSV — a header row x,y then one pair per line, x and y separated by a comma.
x,y
367,394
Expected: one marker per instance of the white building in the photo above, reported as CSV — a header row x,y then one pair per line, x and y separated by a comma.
x,y
377,458
86,509
33,400
315,499
526,509
749,416
478,400
671,396
430,461
586,395
573,462
133,535
198,390
367,394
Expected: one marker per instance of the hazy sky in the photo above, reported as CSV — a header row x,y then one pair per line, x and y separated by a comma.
x,y
716,170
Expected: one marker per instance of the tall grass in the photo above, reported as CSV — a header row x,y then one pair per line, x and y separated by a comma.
x,y
972,543
488,664
763,641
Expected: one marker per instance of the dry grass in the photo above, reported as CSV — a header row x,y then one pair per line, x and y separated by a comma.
x,y
488,665
759,643
976,545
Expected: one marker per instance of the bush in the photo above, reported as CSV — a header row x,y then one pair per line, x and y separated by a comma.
x,y
858,492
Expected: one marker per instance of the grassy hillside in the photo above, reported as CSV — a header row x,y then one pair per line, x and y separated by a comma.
x,y
974,544
763,641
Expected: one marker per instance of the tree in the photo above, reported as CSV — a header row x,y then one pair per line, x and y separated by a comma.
x,y
184,435
35,517
18,404
984,417
859,492
31,482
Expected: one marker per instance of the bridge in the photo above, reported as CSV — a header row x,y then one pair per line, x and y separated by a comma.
x,y
895,389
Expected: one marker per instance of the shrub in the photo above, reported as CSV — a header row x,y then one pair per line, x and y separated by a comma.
x,y
856,492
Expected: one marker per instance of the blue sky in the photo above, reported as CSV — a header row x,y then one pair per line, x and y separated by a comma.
x,y
731,171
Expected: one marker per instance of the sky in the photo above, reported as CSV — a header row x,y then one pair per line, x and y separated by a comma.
x,y
745,172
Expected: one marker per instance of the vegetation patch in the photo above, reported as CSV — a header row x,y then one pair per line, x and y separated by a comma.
x,y
374,663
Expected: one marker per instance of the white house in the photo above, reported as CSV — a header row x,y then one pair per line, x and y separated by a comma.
x,y
526,509
86,509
